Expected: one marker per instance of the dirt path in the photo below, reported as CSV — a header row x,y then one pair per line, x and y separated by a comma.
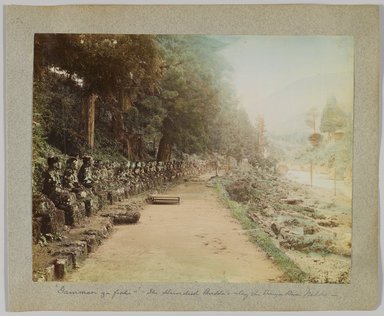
x,y
197,240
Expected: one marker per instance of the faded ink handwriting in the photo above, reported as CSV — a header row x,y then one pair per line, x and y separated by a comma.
x,y
244,294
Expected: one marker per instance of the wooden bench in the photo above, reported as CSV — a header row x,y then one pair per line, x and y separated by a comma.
x,y
164,199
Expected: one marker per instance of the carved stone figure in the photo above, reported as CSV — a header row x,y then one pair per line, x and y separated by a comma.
x,y
85,172
61,197
52,186
70,179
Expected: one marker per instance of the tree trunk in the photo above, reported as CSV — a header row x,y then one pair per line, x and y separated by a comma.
x,y
135,151
117,125
129,148
165,149
131,144
124,100
88,119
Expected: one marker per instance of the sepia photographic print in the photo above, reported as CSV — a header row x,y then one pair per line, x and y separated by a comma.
x,y
192,158
227,167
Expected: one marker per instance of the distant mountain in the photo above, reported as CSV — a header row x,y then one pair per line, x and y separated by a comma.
x,y
222,41
285,111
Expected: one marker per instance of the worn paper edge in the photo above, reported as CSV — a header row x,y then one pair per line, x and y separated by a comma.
x,y
361,22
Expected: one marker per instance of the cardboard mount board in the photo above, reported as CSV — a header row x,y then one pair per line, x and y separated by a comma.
x,y
359,22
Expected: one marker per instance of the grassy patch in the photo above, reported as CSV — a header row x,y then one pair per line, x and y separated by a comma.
x,y
291,271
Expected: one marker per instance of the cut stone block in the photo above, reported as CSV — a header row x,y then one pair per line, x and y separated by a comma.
x,y
61,268
126,218
50,273
164,199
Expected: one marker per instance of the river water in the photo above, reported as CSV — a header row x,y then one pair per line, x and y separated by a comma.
x,y
321,181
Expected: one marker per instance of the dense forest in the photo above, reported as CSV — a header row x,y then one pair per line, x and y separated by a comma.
x,y
136,98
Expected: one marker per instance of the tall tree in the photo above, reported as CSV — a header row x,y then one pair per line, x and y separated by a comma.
x,y
333,118
189,93
126,66
311,118
260,127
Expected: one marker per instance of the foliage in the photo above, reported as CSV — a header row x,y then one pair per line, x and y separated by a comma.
x,y
43,241
189,94
103,63
333,118
311,118
292,272
231,133
157,96
48,100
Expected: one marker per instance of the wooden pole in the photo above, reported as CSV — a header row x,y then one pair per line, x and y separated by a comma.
x,y
88,118
311,172
91,121
334,176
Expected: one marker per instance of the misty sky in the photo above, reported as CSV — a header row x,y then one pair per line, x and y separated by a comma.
x,y
281,77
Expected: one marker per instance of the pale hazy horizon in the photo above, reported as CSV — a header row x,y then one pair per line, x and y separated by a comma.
x,y
282,77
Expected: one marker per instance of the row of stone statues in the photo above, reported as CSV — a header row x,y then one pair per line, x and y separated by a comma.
x,y
80,192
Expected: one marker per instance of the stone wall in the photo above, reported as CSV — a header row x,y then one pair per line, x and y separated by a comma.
x,y
72,193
